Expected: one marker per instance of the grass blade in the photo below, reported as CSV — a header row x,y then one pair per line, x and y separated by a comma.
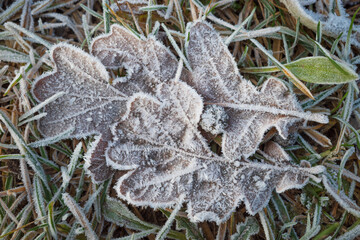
x,y
80,216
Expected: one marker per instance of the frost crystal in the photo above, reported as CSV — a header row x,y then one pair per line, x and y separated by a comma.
x,y
251,112
214,119
147,61
147,122
122,5
88,94
167,158
245,230
332,24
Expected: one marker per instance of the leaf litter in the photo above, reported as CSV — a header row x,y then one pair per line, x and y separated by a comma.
x,y
153,118
157,145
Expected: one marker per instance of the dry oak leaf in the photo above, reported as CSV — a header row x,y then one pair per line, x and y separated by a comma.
x,y
149,65
89,104
168,160
250,112
146,60
158,142
154,119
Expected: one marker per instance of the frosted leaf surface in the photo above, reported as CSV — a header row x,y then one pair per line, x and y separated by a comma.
x,y
148,122
146,59
332,24
90,104
172,121
167,158
251,112
149,66
95,161
214,119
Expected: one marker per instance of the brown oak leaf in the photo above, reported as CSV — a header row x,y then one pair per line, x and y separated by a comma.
x,y
149,65
147,123
90,104
167,160
251,112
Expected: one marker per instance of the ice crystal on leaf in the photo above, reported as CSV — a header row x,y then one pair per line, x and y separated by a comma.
x,y
147,122
168,159
214,119
149,65
147,61
90,104
251,112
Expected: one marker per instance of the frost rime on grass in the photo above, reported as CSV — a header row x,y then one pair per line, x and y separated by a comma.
x,y
332,24
122,5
